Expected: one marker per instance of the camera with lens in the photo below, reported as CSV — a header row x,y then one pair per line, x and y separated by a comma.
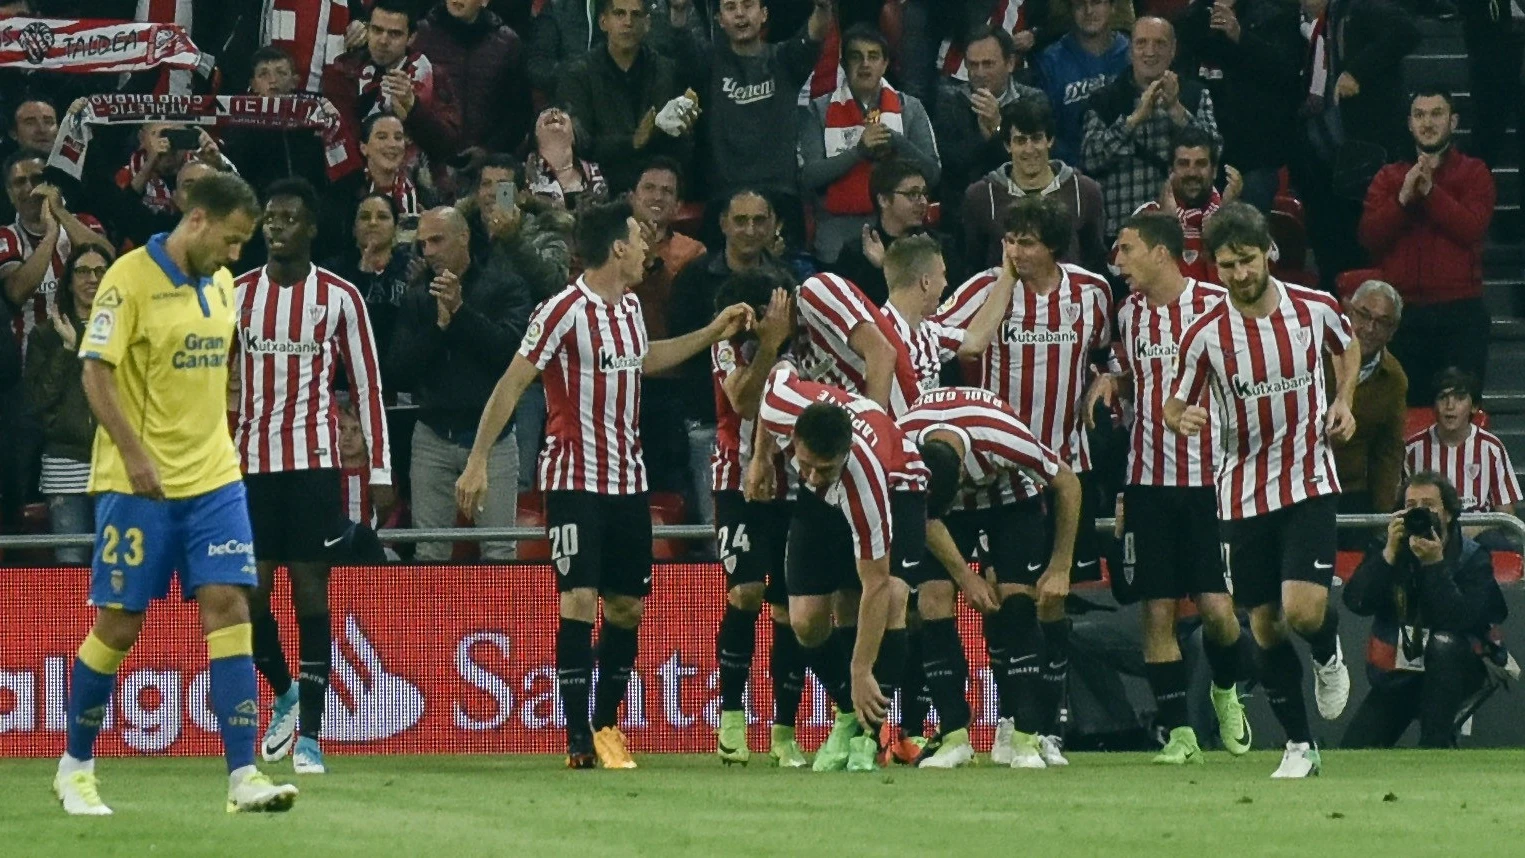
x,y
1422,522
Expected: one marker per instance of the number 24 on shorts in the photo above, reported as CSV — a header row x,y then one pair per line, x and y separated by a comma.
x,y
113,541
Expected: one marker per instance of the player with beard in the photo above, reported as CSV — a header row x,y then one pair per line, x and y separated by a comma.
x,y
1056,327
1171,547
297,323
1189,195
1261,354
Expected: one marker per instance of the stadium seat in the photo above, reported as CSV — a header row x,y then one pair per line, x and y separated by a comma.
x,y
1508,567
667,508
1347,283
934,215
1419,417
532,514
1345,564
690,219
892,25
1292,248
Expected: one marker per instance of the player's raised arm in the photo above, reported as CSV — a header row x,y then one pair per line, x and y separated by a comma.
x,y
666,354
744,387
987,319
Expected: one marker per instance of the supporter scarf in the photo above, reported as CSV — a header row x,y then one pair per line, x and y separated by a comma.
x,y
1318,58
415,65
156,193
311,32
1008,15
828,74
844,126
95,47
1191,224
290,112
403,191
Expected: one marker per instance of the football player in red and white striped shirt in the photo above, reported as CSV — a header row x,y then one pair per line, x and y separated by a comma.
x,y
297,323
859,522
845,342
34,247
1058,325
1261,353
1471,457
917,276
589,344
751,535
989,449
1171,547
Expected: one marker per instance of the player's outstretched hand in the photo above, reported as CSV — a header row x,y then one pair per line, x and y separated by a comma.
x,y
144,476
732,321
1103,389
868,703
471,488
1342,424
1193,419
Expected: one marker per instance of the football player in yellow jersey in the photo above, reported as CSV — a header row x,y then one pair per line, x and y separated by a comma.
x,y
166,482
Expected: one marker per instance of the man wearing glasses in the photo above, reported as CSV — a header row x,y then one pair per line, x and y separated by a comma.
x,y
1370,464
900,193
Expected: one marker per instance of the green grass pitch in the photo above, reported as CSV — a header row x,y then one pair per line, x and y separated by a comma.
x,y
1396,803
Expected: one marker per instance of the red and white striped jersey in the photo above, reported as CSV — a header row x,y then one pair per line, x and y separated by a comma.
x,y
1040,360
1478,467
590,354
882,459
1267,380
999,450
929,346
734,434
16,247
311,32
290,341
830,307
355,497
1151,339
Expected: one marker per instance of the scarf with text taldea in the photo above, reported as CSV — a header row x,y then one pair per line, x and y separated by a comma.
x,y
845,123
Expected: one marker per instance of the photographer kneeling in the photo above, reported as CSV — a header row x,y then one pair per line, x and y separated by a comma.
x,y
1435,608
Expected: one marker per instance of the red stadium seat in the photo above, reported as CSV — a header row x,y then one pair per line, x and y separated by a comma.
x,y
1347,283
892,25
1421,417
934,215
1345,564
1292,248
1508,567
1290,206
667,508
690,219
531,514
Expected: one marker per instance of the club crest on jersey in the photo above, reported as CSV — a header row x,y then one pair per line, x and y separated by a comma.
x,y
1474,471
563,565
1190,256
1070,313
730,564
316,314
1302,338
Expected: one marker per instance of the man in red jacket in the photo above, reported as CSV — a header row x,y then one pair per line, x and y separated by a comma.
x,y
387,75
1425,222
485,63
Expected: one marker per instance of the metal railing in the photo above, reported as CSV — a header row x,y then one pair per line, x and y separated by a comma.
x,y
701,531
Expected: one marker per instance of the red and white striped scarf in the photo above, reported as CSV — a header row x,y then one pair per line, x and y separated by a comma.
x,y
403,191
415,65
1008,15
311,32
95,47
1318,56
290,112
157,195
845,122
828,74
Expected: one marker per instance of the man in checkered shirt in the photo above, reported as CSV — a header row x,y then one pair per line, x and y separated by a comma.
x,y
1130,122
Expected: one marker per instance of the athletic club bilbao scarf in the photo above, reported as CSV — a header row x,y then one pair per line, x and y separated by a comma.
x,y
1191,223
1008,15
289,112
402,191
844,126
828,75
95,47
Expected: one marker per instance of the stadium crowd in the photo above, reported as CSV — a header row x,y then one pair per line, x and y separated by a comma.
x,y
778,143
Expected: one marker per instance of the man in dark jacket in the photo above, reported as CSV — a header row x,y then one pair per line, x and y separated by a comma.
x,y
566,30
1131,123
1028,129
1354,121
455,336
1435,609
388,76
617,92
484,61
1250,54
900,191
967,122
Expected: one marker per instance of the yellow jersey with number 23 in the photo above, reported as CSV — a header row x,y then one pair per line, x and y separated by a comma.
x,y
168,335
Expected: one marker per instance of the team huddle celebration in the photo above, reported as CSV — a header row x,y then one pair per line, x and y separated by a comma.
x,y
977,441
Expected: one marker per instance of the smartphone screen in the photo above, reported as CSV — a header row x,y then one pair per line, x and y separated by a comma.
x,y
508,196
